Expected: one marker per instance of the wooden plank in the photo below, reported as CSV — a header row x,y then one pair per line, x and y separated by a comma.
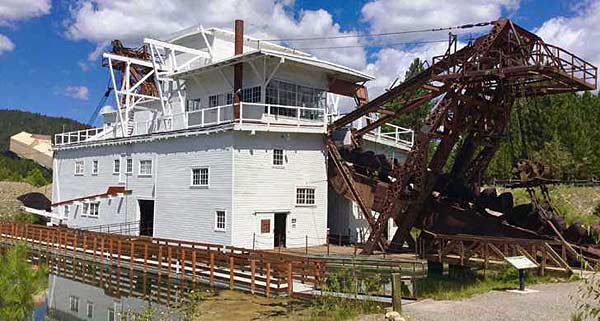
x,y
252,275
268,285
290,279
231,273
212,269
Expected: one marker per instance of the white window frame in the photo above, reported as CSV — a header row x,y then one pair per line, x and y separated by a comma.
x,y
77,167
89,313
140,167
66,211
116,166
217,228
282,157
303,201
95,167
111,312
73,299
93,209
129,169
85,208
200,185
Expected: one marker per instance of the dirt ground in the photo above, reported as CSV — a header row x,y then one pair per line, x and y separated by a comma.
x,y
551,302
9,191
232,305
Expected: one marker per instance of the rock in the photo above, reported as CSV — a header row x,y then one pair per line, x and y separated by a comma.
x,y
394,316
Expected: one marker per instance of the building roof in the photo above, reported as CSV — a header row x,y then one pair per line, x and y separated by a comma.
x,y
230,36
341,72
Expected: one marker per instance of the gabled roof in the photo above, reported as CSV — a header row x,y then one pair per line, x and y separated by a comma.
x,y
229,36
339,71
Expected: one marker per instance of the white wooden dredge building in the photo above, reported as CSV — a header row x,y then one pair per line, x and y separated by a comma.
x,y
216,137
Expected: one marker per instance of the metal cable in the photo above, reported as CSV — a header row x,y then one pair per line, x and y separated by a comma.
x,y
465,26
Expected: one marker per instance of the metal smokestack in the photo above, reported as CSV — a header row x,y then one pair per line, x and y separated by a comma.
x,y
238,69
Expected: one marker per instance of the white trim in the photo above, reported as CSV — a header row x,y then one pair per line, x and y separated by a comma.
x,y
75,171
192,185
127,161
115,167
283,158
140,168
216,228
313,204
95,167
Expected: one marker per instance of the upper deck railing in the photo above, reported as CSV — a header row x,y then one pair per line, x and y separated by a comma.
x,y
391,133
77,136
251,116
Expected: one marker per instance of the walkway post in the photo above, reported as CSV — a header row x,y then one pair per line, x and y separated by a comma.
x,y
397,292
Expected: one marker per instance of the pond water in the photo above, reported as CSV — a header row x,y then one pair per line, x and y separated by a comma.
x,y
71,300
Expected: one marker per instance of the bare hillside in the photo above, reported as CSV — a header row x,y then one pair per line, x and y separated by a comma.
x,y
9,191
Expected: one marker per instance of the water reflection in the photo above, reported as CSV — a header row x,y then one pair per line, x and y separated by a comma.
x,y
70,300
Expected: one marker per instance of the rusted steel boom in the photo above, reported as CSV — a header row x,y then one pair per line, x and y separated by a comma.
x,y
478,85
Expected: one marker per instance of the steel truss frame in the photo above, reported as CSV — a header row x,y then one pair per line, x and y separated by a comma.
x,y
478,85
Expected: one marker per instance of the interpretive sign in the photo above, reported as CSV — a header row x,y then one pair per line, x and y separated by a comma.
x,y
521,262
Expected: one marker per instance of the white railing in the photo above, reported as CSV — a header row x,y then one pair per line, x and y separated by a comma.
x,y
210,116
258,113
249,114
76,136
393,133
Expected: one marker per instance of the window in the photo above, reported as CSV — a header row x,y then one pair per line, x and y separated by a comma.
x,y
93,209
200,176
220,221
95,167
129,166
289,94
111,314
192,105
89,310
146,167
74,303
278,157
85,208
305,196
220,100
117,166
66,211
265,226
250,95
79,165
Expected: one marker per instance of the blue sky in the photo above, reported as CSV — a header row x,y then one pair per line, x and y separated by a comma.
x,y
48,64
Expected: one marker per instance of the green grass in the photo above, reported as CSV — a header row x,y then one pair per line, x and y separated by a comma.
x,y
444,287
576,204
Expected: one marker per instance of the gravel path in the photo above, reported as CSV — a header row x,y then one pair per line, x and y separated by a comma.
x,y
552,302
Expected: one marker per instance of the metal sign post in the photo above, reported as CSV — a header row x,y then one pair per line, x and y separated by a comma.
x,y
521,263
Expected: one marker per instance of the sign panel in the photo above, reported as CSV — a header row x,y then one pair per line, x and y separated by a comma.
x,y
521,262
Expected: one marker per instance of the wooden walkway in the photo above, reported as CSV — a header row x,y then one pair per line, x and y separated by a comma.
x,y
101,258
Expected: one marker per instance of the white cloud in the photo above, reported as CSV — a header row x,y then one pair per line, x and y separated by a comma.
x,y
578,34
5,44
391,64
15,10
100,21
398,15
84,66
77,92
